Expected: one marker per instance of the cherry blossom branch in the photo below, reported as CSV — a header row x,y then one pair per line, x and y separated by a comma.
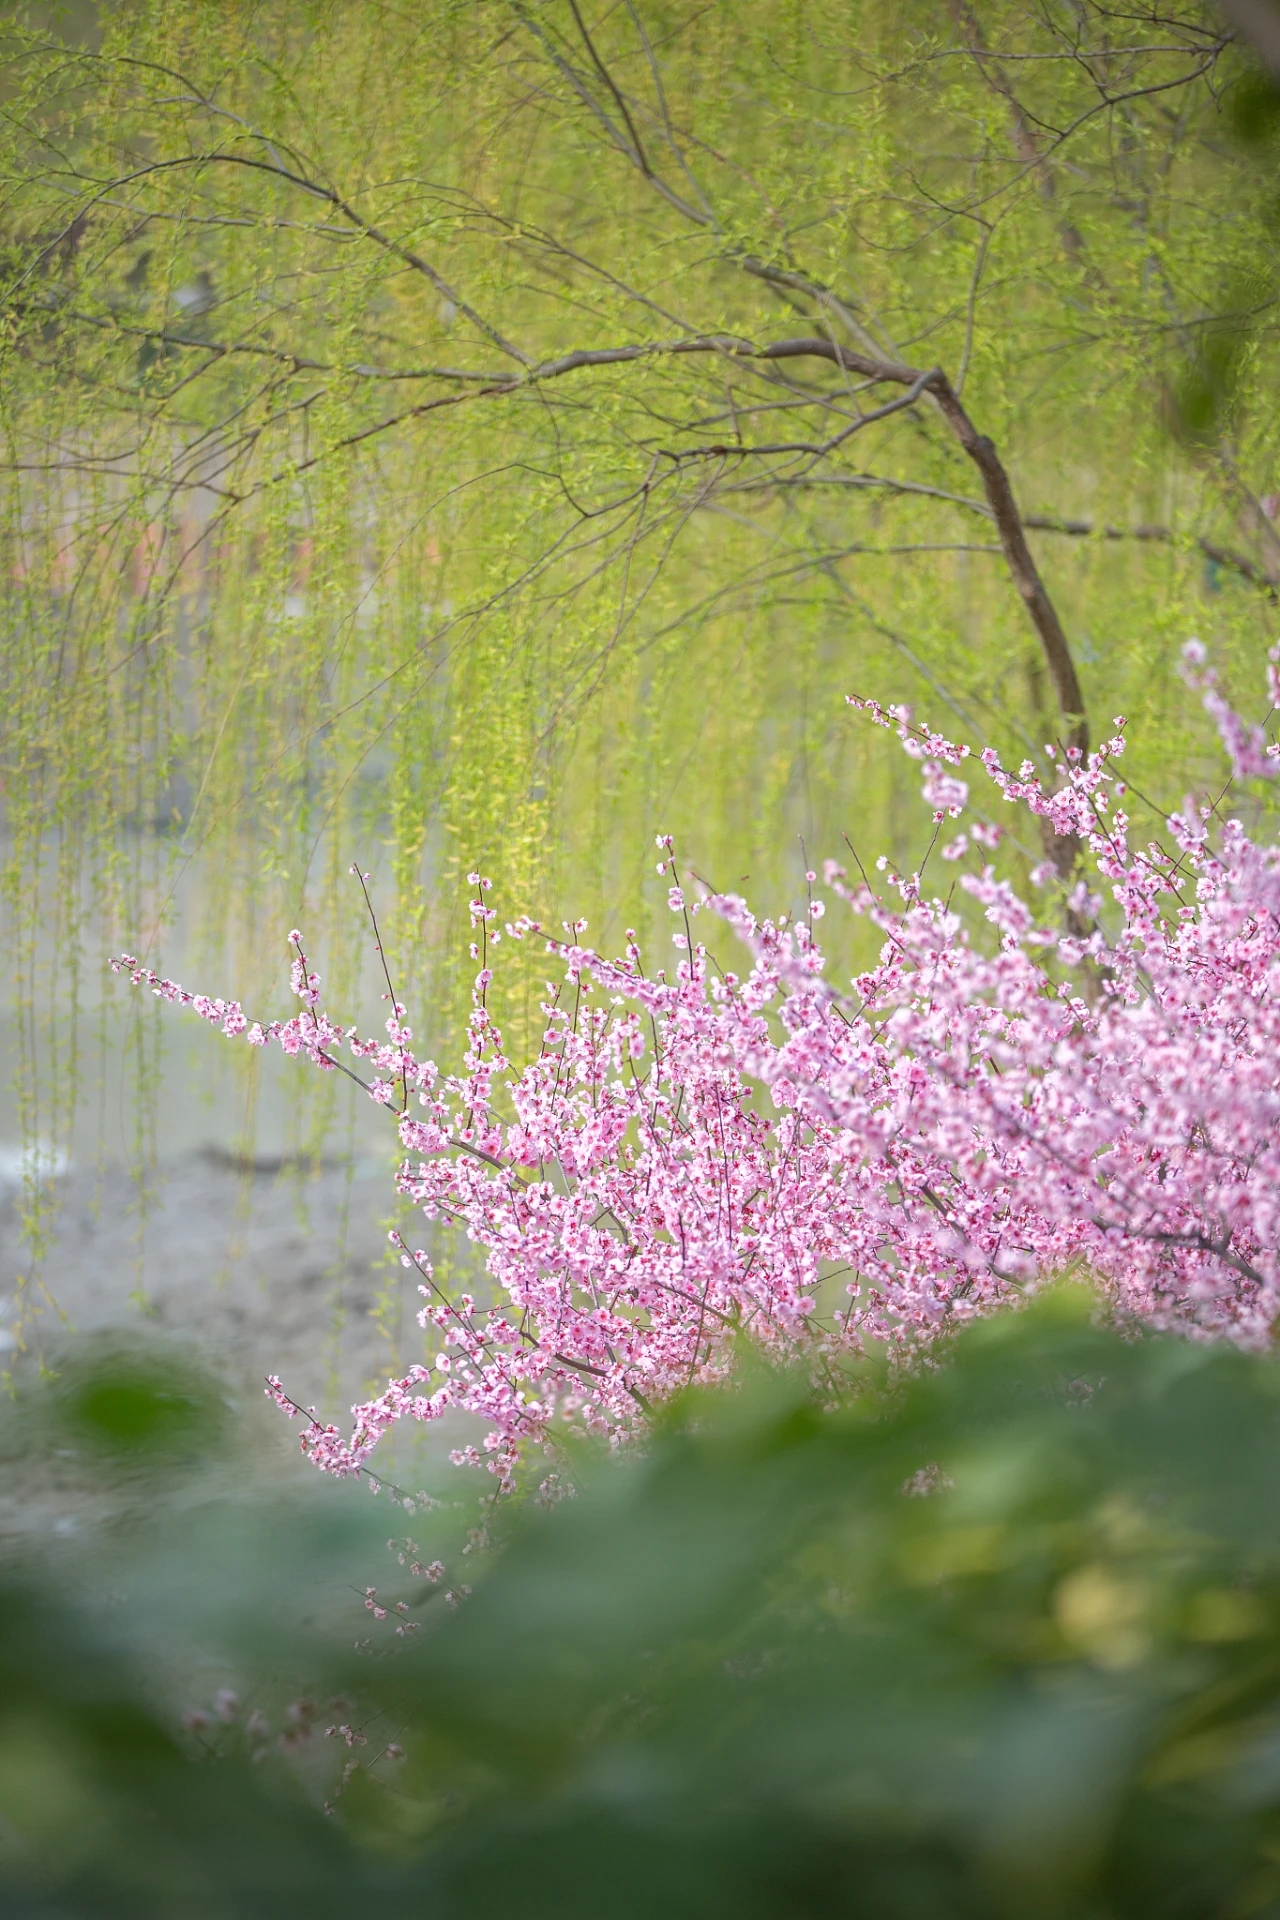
x,y
962,1128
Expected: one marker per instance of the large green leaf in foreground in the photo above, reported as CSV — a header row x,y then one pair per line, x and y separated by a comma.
x,y
1003,1641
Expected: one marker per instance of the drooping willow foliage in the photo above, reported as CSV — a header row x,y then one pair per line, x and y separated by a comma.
x,y
400,464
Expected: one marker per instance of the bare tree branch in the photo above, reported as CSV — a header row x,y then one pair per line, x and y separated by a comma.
x,y
1154,534
981,450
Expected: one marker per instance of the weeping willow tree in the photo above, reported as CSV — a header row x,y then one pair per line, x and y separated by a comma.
x,y
483,434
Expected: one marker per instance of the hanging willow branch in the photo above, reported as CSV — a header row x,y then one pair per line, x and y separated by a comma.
x,y
619,114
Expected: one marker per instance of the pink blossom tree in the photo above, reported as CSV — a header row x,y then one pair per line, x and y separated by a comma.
x,y
696,1156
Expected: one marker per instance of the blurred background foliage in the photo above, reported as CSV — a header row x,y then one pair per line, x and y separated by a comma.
x,y
313,550
1000,1640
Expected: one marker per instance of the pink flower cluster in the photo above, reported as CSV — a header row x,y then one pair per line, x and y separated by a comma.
x,y
697,1155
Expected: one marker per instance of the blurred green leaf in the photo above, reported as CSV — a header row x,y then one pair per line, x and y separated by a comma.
x,y
135,1406
1207,389
1000,1639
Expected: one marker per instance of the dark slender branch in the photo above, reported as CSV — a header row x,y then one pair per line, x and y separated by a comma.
x,y
317,191
818,448
1037,522
988,64
391,992
638,153
981,450
1164,536
218,349
635,154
